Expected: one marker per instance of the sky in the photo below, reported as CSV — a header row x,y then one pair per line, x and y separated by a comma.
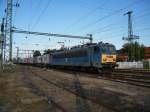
x,y
104,19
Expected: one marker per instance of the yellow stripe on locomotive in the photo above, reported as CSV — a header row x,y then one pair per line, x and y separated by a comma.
x,y
108,58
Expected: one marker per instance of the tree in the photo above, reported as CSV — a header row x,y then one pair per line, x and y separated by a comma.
x,y
142,50
48,51
135,51
36,53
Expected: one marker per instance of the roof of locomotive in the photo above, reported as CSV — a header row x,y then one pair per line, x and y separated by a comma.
x,y
87,45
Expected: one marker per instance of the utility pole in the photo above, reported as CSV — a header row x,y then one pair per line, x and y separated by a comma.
x,y
130,37
1,43
8,31
130,30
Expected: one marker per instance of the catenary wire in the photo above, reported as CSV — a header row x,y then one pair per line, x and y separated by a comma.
x,y
109,15
40,15
86,16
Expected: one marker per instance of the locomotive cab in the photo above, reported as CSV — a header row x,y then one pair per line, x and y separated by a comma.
x,y
104,56
108,56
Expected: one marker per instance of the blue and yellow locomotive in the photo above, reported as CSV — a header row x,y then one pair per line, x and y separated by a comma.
x,y
92,56
89,56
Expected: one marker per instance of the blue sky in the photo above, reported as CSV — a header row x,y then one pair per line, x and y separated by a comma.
x,y
103,18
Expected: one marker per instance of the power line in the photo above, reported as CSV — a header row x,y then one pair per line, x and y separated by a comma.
x,y
110,28
107,16
118,30
2,8
35,13
89,5
43,11
143,15
31,7
113,36
139,18
105,27
15,14
87,15
86,3
116,23
143,29
1,1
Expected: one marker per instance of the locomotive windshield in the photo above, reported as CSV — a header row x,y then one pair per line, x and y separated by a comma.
x,y
112,49
108,49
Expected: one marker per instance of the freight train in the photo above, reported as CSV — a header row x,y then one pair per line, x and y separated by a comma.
x,y
91,56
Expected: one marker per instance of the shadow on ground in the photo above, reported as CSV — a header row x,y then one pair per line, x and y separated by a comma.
x,y
81,104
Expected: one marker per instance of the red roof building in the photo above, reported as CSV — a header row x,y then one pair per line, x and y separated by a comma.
x,y
122,57
147,53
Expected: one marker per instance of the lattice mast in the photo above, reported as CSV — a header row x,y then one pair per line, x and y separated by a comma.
x,y
8,33
130,37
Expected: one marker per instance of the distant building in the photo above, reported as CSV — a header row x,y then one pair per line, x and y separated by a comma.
x,y
121,56
124,57
147,53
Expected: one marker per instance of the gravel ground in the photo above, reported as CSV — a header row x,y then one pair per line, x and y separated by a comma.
x,y
15,96
123,96
22,91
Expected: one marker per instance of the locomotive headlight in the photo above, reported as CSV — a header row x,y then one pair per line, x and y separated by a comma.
x,y
104,59
114,59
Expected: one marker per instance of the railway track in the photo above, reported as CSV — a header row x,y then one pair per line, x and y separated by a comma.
x,y
137,79
74,92
122,79
36,90
133,77
147,71
101,100
128,77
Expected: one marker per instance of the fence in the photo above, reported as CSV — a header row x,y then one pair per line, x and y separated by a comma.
x,y
130,65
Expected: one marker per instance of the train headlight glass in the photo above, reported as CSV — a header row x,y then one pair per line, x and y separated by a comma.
x,y
104,59
114,59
